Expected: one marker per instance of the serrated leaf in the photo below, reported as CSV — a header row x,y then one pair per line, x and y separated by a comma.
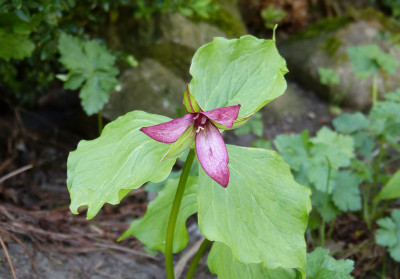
x,y
328,76
364,143
263,212
292,149
322,266
89,64
389,234
338,148
391,190
93,96
348,123
346,195
318,199
221,262
104,170
15,46
151,229
246,71
72,81
318,173
72,55
393,96
367,60
385,117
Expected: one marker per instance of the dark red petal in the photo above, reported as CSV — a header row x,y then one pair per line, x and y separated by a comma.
x,y
212,154
169,132
224,116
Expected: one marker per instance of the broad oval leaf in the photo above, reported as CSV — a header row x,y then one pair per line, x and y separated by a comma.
x,y
152,228
104,170
246,71
262,214
221,262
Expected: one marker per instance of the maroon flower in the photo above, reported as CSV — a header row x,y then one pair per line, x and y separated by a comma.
x,y
200,127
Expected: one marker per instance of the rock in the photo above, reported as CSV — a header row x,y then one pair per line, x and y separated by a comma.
x,y
164,46
172,39
150,87
305,56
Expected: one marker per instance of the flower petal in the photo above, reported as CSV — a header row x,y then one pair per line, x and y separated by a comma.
x,y
224,116
240,121
190,102
212,154
169,132
184,142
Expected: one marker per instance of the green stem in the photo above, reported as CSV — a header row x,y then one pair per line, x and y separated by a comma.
x,y
377,171
375,90
203,247
169,243
366,205
331,228
100,122
325,203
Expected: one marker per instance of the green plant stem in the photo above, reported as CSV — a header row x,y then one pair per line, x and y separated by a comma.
x,y
169,243
366,193
331,228
377,171
100,122
325,203
375,90
203,247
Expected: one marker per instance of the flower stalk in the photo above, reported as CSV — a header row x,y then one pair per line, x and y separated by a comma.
x,y
203,247
169,243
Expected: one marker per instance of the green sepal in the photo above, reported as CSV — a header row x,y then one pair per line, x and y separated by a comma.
x,y
190,102
184,142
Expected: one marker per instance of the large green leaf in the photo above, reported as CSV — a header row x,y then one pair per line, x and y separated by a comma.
x,y
262,214
391,190
152,228
246,71
122,158
221,262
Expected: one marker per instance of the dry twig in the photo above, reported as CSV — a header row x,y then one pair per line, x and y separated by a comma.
x,y
14,173
8,257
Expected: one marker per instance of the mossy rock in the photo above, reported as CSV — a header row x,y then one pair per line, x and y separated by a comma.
x,y
329,50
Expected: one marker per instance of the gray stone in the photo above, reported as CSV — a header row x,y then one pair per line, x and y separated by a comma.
x,y
305,56
150,87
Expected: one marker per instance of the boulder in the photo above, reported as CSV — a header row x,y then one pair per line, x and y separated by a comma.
x,y
150,87
305,56
164,46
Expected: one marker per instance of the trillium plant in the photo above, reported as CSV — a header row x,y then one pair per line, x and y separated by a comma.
x,y
248,206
